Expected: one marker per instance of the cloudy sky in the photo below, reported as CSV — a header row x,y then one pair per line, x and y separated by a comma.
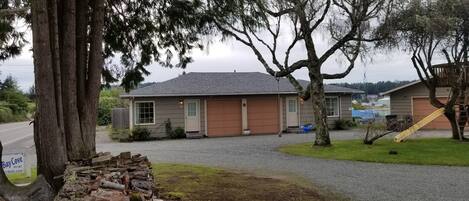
x,y
230,55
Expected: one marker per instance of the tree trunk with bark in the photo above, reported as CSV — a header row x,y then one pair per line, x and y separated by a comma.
x,y
68,60
450,114
319,108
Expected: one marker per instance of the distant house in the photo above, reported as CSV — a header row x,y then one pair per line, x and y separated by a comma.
x,y
412,99
226,104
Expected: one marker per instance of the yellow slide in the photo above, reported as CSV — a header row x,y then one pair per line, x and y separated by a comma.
x,y
404,134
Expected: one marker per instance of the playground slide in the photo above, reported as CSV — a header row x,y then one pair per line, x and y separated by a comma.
x,y
404,134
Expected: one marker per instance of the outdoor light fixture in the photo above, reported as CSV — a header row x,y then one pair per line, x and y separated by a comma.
x,y
181,101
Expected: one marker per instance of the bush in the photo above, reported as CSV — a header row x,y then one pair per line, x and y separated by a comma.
x,y
140,134
109,99
179,133
7,115
343,124
176,133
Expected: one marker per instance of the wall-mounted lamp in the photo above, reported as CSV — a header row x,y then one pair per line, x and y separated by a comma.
x,y
181,101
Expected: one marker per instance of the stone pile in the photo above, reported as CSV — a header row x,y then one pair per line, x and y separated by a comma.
x,y
109,178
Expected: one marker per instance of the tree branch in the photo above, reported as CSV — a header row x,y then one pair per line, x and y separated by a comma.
x,y
13,11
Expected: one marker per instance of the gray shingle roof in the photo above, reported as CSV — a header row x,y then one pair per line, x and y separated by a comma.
x,y
213,84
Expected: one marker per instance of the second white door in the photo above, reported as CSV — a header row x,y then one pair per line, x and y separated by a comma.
x,y
292,111
192,115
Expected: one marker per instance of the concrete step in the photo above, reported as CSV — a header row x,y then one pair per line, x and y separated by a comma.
x,y
294,130
196,135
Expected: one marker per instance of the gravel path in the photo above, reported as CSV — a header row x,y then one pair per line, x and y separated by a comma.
x,y
357,180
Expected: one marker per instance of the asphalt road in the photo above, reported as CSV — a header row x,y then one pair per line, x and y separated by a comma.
x,y
16,137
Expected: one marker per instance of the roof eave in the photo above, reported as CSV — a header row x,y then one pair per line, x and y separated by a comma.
x,y
399,88
227,94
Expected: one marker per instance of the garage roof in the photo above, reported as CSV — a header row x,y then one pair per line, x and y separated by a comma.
x,y
399,88
215,84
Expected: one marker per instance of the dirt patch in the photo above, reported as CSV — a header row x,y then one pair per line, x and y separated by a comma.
x,y
195,183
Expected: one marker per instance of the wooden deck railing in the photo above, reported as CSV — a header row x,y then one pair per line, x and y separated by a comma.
x,y
447,75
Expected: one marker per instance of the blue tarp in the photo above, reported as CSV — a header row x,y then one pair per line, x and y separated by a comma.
x,y
364,114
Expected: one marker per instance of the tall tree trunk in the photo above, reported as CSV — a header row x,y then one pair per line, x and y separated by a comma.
x,y
318,99
68,60
450,114
48,135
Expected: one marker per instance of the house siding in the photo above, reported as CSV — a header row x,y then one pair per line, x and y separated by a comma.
x,y
169,108
306,110
345,103
401,100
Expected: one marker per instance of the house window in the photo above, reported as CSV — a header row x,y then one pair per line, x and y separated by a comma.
x,y
291,105
332,106
192,109
144,112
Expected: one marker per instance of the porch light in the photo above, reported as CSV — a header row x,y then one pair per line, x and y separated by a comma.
x,y
181,101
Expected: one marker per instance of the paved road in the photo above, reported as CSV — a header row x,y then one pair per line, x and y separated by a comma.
x,y
357,180
16,136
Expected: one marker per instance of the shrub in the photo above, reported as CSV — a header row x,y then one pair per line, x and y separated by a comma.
x,y
6,115
343,124
174,134
17,102
179,133
140,134
109,99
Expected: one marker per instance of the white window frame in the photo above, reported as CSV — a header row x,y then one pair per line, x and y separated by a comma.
x,y
135,113
338,105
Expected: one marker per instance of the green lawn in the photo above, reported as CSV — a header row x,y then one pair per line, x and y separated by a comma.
x,y
21,178
434,151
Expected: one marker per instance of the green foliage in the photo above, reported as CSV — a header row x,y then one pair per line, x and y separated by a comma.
x,y
16,100
109,99
141,134
358,106
156,31
14,105
343,124
176,133
11,39
179,133
6,115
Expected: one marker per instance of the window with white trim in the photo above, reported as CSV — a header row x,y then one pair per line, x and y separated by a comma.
x,y
144,112
332,106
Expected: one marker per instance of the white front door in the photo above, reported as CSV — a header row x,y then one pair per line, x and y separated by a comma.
x,y
292,111
192,115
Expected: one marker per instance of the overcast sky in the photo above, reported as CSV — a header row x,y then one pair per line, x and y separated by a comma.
x,y
231,55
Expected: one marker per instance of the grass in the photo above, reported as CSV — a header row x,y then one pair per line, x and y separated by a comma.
x,y
434,151
190,182
21,178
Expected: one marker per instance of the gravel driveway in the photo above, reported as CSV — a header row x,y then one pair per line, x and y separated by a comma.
x,y
357,180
